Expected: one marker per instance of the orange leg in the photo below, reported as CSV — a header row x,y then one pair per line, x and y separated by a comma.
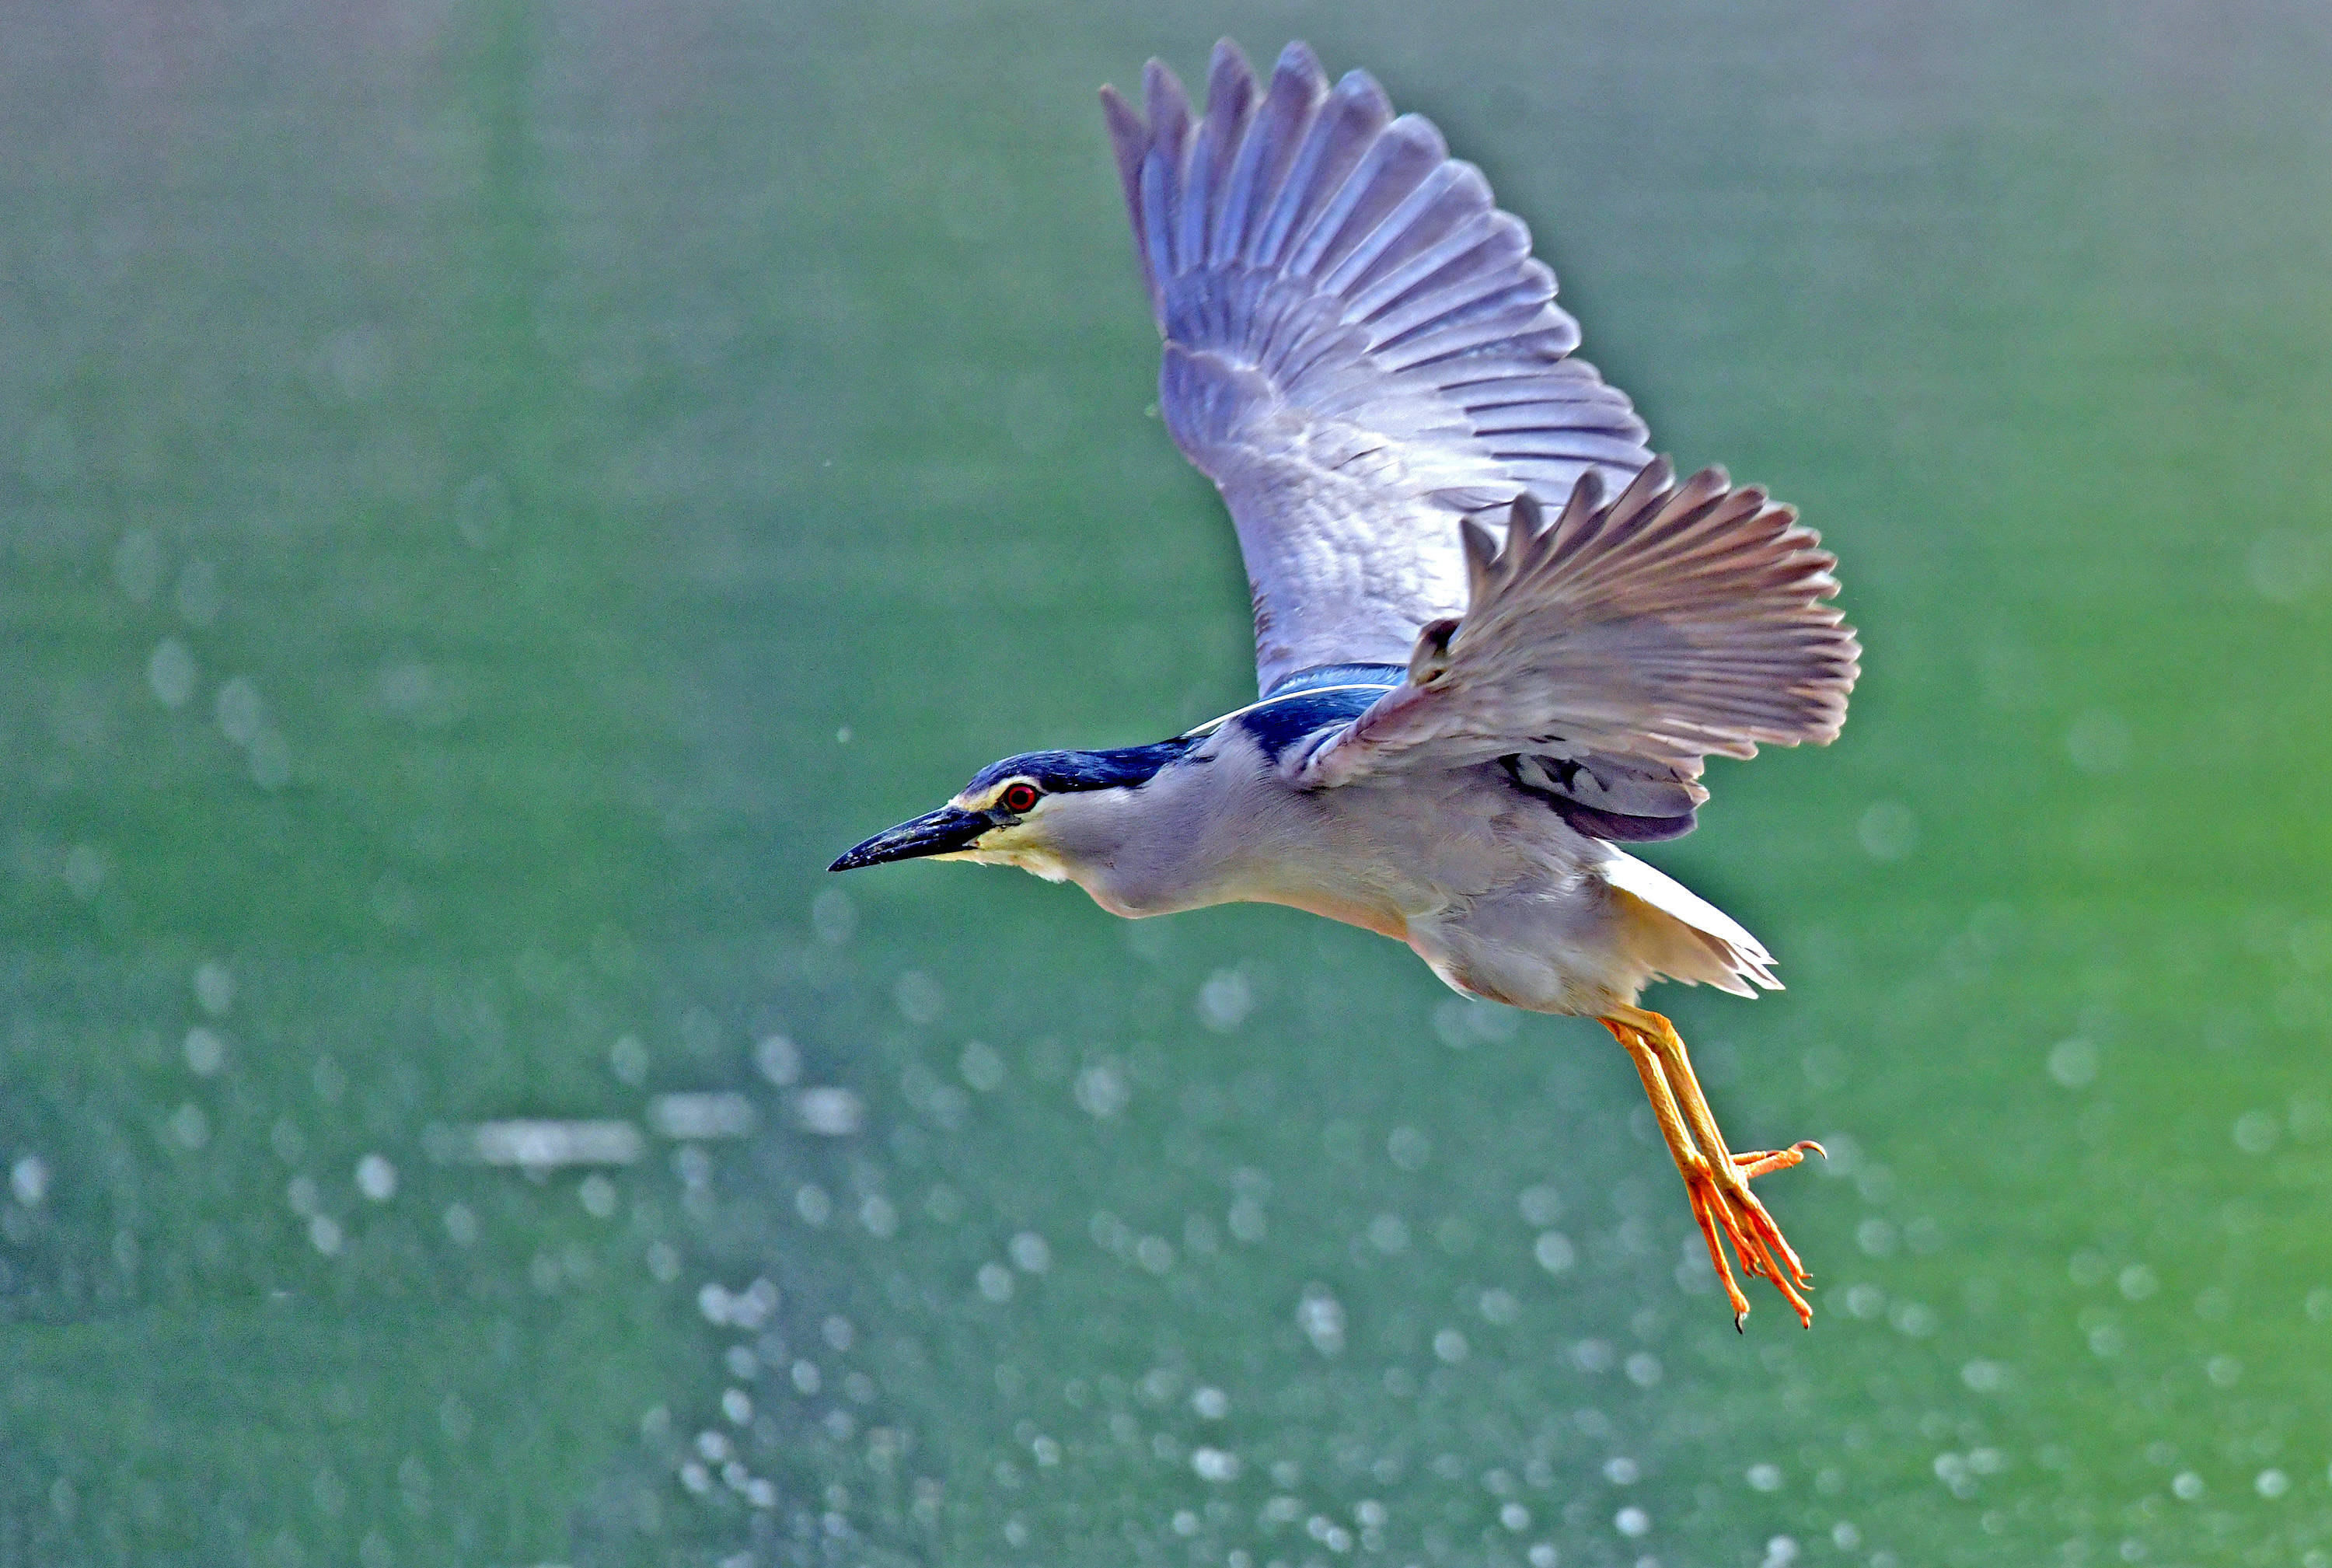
x,y
1716,1180
1699,1179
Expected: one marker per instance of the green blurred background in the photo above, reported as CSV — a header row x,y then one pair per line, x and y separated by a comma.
x,y
493,496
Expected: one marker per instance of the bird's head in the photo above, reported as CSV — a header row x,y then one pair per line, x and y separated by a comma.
x,y
1052,813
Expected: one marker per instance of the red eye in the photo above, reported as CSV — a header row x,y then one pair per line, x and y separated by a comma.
x,y
1018,797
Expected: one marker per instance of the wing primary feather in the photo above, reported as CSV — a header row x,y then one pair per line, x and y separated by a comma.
x,y
1129,138
1169,111
1481,240
1411,225
1403,156
1230,96
1275,132
1340,136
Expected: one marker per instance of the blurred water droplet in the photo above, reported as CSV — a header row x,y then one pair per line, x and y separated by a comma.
x,y
170,673
2256,1132
597,1195
981,1065
1216,1465
544,1145
700,1116
1408,1149
190,1125
377,1178
833,917
84,871
2073,1063
28,1180
1322,1318
1984,1377
1102,1090
1225,999
1912,1320
238,710
1540,1206
629,1060
832,1113
481,512
1888,830
213,988
778,1060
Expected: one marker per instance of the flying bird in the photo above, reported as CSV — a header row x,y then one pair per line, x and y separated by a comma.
x,y
1496,636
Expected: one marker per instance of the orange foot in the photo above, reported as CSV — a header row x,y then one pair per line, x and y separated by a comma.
x,y
1715,1181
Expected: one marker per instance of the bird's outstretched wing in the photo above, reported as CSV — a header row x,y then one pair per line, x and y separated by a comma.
x,y
1360,349
1677,622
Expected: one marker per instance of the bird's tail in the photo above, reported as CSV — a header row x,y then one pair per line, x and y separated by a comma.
x,y
1687,937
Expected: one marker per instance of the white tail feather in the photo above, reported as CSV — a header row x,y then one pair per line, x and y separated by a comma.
x,y
1673,898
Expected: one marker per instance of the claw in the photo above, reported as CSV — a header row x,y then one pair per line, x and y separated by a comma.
x,y
1764,1161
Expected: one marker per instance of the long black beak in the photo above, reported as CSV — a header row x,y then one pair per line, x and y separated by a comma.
x,y
937,832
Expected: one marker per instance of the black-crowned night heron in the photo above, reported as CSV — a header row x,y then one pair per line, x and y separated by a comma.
x,y
1467,704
